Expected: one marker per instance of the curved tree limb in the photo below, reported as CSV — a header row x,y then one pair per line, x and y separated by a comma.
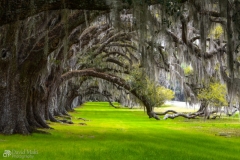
x,y
117,53
189,116
114,79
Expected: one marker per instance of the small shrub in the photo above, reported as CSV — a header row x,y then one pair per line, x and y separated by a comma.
x,y
215,94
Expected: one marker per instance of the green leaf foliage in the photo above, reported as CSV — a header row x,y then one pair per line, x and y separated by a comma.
x,y
216,32
155,93
215,94
188,70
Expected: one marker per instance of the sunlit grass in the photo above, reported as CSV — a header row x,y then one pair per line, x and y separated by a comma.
x,y
129,134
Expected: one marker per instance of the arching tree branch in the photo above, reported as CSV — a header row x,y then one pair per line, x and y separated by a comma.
x,y
114,79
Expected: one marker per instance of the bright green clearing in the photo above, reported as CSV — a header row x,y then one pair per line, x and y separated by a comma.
x,y
127,134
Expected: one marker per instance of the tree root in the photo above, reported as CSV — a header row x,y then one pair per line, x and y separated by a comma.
x,y
40,131
52,118
66,117
66,121
83,124
83,119
153,115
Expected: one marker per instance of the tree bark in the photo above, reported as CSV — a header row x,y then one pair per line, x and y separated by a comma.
x,y
12,10
23,59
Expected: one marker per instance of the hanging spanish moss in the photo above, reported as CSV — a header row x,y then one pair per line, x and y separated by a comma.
x,y
126,52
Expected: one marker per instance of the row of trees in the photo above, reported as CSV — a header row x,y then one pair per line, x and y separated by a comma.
x,y
53,52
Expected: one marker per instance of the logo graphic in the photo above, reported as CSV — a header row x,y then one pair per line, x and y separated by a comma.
x,y
6,153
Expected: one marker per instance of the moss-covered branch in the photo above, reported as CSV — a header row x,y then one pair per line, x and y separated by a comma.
x,y
12,10
114,79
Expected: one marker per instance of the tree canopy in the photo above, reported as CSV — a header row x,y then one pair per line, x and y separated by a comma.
x,y
56,54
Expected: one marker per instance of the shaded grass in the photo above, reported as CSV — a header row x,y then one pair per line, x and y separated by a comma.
x,y
128,134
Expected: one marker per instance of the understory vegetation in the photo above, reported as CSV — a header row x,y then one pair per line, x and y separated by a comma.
x,y
101,132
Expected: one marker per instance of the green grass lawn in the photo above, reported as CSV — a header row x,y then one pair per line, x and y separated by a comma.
x,y
127,134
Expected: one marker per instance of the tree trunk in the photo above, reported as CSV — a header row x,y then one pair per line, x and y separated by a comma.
x,y
17,111
14,109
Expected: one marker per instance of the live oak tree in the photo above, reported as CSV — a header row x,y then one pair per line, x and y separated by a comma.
x,y
25,48
211,57
33,52
50,48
